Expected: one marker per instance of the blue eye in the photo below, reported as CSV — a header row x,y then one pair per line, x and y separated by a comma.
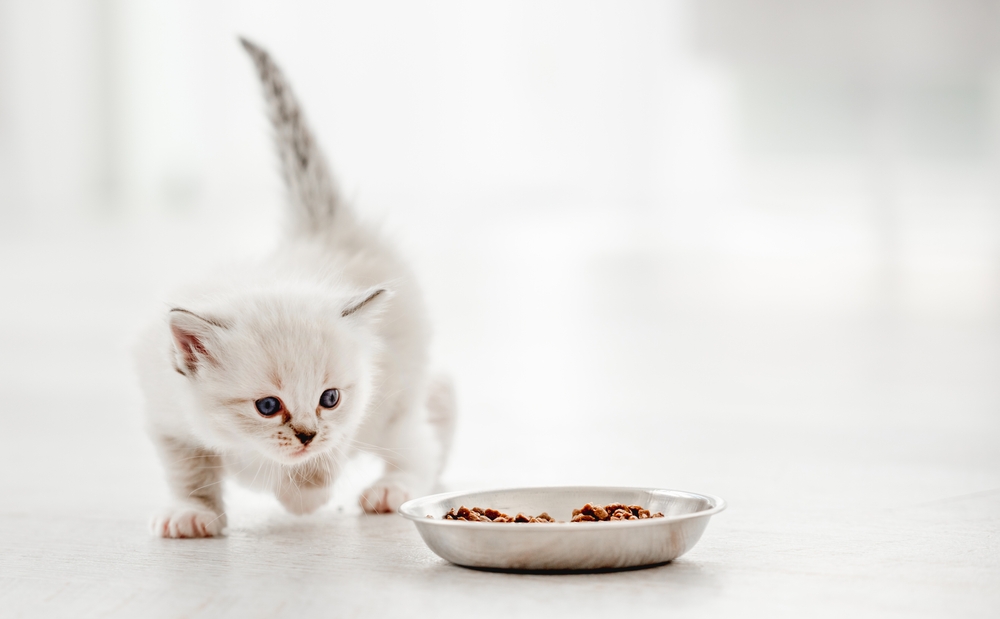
x,y
268,407
330,398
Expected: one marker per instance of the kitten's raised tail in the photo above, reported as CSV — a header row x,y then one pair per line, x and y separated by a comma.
x,y
311,188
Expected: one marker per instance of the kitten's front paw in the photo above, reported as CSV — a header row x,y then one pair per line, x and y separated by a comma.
x,y
187,521
301,501
384,497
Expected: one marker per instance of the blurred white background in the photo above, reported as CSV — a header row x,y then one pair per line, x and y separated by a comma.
x,y
861,134
754,245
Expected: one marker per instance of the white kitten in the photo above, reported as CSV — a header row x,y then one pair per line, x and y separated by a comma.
x,y
277,373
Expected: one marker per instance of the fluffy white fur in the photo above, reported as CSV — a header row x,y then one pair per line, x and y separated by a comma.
x,y
332,308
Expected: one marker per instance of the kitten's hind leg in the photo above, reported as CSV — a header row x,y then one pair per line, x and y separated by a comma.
x,y
415,449
194,475
442,413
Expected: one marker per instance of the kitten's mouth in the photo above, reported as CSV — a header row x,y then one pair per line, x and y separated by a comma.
x,y
300,455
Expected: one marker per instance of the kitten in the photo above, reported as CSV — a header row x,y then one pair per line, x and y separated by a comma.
x,y
277,373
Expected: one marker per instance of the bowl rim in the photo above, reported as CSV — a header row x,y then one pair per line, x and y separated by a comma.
x,y
407,509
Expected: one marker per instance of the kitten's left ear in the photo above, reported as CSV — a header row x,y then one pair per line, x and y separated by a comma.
x,y
194,337
369,304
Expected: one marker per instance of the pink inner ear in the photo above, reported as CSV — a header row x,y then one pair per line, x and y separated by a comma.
x,y
190,347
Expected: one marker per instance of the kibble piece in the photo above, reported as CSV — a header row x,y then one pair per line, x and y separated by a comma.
x,y
492,514
583,518
595,511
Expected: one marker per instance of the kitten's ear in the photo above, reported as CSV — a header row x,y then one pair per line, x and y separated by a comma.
x,y
369,304
193,338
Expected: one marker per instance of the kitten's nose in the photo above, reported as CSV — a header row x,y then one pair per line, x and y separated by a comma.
x,y
305,437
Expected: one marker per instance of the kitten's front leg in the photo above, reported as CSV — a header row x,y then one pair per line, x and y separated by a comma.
x,y
304,489
194,475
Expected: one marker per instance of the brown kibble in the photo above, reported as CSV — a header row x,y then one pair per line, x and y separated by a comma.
x,y
542,517
588,513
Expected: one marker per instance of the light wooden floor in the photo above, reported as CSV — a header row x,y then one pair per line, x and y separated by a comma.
x,y
852,422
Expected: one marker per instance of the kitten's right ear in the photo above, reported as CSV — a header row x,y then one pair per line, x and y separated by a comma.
x,y
368,298
193,336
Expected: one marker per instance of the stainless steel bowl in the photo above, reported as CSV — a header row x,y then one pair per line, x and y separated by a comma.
x,y
565,545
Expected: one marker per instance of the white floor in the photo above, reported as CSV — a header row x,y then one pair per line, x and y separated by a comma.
x,y
849,412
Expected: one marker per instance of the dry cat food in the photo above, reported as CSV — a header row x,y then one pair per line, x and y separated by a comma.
x,y
612,511
587,513
478,514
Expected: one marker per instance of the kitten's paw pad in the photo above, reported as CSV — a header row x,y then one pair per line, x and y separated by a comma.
x,y
187,522
383,498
